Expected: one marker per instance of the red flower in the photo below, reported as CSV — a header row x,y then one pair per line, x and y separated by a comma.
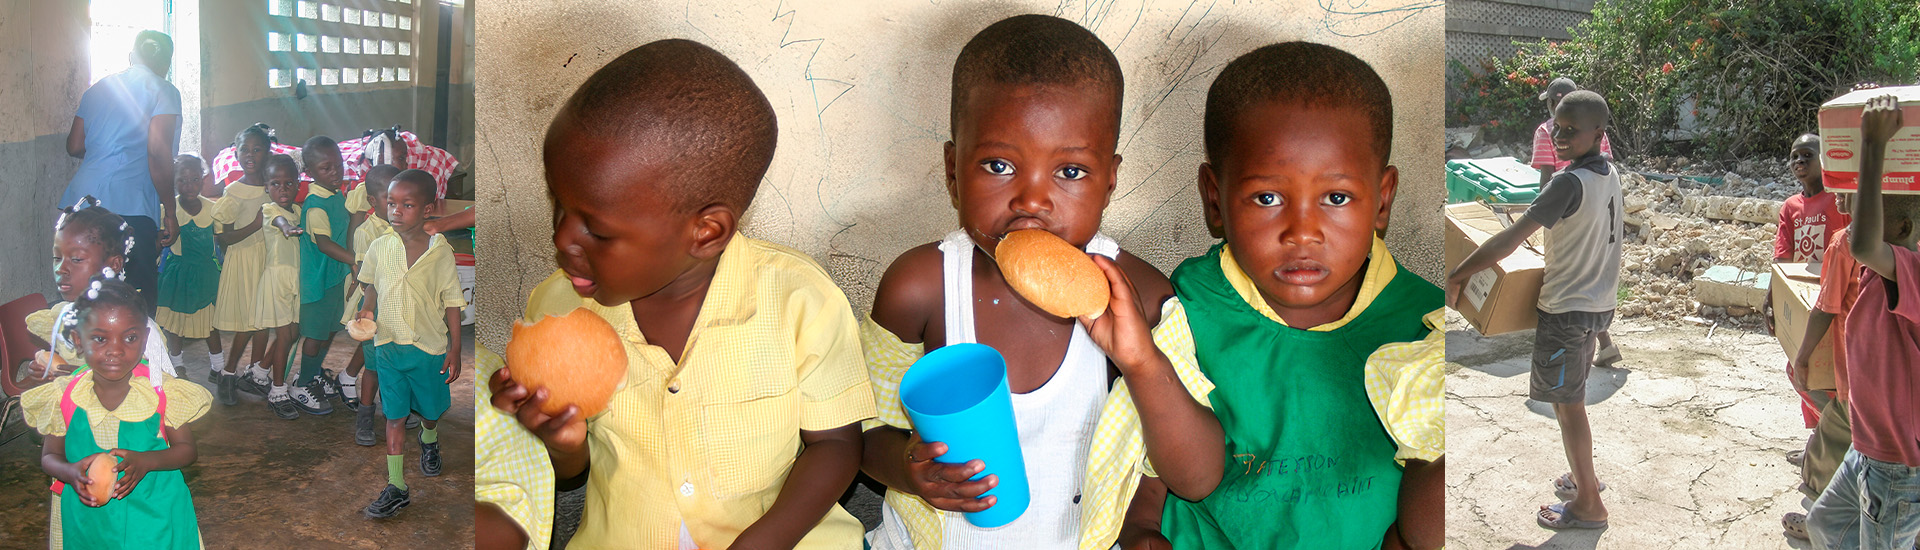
x,y
1513,76
1483,93
1667,68
1494,123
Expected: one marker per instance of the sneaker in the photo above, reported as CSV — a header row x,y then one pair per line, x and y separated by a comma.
x,y
349,390
327,386
223,388
390,501
429,459
308,402
281,403
363,427
179,365
254,382
413,421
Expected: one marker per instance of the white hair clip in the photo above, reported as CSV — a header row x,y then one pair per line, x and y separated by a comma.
x,y
93,290
108,272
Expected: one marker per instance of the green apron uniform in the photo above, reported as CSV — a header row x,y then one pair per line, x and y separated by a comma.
x,y
192,278
1309,464
157,514
322,279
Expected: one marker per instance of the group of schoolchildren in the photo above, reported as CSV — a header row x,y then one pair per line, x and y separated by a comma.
x,y
1281,390
1861,466
264,263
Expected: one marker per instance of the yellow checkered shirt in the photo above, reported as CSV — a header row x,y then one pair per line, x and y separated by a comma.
x,y
413,298
510,466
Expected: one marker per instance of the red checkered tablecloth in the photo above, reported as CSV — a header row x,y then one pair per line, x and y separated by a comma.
x,y
434,160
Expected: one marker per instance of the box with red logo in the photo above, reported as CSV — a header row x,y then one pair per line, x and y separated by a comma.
x,y
1840,141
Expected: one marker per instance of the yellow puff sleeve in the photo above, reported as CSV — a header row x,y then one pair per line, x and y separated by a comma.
x,y
186,401
1406,385
40,407
887,361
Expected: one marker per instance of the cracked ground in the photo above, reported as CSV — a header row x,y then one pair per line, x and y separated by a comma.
x,y
1690,435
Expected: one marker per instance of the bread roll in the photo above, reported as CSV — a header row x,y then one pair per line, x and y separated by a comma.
x,y
362,329
101,475
577,358
1052,274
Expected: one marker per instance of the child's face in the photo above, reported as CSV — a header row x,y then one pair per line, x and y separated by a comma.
x,y
1299,195
325,168
113,339
1032,157
377,197
189,179
616,231
78,257
282,184
406,209
252,154
1805,163
1573,138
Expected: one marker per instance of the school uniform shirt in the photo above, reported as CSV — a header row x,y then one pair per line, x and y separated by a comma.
x,y
413,298
510,469
1807,224
371,229
186,402
704,444
1544,155
40,325
1406,382
1839,287
1883,348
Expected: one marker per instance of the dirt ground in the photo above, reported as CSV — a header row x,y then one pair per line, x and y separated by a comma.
x,y
1689,435
263,482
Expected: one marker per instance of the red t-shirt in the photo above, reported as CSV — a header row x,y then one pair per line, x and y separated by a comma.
x,y
1544,155
1839,286
1806,224
1884,347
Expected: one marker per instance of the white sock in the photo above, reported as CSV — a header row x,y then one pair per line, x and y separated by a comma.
x,y
179,363
257,372
219,361
349,385
279,390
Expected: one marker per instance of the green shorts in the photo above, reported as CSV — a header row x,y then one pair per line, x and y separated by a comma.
x,y
410,381
320,318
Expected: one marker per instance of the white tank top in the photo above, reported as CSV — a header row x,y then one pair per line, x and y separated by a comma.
x,y
1055,421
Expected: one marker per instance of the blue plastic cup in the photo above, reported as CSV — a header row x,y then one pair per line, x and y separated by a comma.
x,y
957,395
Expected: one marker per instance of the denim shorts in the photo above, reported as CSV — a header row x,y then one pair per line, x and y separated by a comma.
x,y
1868,504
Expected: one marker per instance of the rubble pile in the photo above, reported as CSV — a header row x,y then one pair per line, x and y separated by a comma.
x,y
1698,218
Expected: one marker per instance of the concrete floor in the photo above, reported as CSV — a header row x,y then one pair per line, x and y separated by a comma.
x,y
263,482
1689,435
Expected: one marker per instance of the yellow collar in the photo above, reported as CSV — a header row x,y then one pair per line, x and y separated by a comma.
x,y
318,190
1380,270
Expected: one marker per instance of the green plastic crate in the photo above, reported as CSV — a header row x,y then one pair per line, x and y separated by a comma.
x,y
1495,180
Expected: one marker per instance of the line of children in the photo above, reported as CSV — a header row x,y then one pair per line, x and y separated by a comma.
x,y
1809,223
745,441
191,277
324,265
239,220
277,298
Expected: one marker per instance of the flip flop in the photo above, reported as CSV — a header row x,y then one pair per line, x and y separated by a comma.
x,y
1563,519
1564,488
1796,525
1797,457
1607,356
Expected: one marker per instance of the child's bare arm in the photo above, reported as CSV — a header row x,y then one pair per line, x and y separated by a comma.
x,y
53,461
1877,125
236,234
494,530
1422,523
899,459
826,465
369,298
332,249
1140,529
1182,436
179,453
1496,248
451,365
1817,324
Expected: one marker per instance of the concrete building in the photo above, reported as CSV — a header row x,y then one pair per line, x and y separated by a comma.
x,y
1482,29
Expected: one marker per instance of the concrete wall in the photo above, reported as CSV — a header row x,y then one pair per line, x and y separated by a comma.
x,y
861,90
43,70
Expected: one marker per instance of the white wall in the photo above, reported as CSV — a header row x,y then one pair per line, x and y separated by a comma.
x,y
861,91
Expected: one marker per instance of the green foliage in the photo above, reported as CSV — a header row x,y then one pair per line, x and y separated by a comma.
x,y
1755,71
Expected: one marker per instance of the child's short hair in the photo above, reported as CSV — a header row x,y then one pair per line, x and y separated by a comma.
x,y
384,171
186,160
101,292
92,222
258,129
683,96
1806,141
1897,208
277,160
1587,103
1304,73
419,180
1035,49
309,153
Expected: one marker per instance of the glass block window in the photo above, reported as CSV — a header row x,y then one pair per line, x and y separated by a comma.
x,y
350,45
350,75
306,43
350,16
329,44
329,77
279,42
309,10
406,74
406,48
389,20
369,75
330,12
305,75
406,23
277,78
370,45
387,48
386,74
282,8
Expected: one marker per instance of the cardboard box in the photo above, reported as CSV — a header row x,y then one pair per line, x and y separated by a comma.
x,y
1840,138
1795,288
1503,298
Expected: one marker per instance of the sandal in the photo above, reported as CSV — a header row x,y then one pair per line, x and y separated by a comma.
x,y
1607,356
1564,520
1797,457
1796,525
1564,487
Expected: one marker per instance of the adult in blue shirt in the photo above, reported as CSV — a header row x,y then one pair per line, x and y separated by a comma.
x,y
125,134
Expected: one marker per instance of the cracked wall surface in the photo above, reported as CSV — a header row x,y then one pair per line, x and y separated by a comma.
x,y
861,91
43,70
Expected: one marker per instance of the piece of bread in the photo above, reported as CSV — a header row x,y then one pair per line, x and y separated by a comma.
x,y
577,357
1053,274
361,329
101,475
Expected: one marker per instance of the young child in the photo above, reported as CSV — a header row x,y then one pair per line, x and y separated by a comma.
x,y
1807,220
1547,161
1577,296
192,275
374,227
737,425
325,261
88,241
239,222
1035,114
1808,223
1298,136
277,306
414,274
1866,505
118,405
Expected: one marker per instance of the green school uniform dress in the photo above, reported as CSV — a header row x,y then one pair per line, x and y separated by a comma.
x,y
322,278
192,278
1309,464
